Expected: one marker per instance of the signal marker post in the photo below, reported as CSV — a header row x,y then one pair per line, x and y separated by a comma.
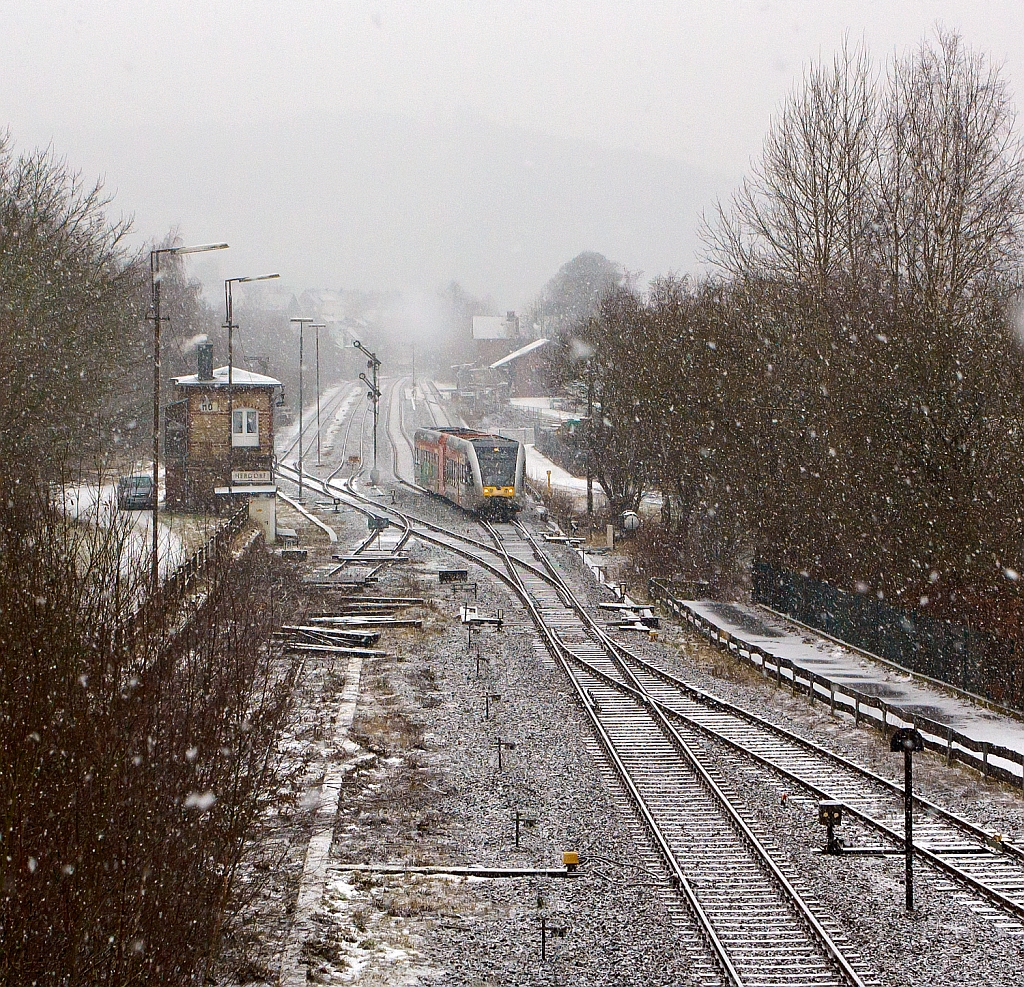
x,y
909,741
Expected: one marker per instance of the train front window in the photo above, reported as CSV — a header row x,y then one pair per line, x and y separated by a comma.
x,y
497,464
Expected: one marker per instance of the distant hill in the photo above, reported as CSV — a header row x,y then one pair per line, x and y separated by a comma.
x,y
393,202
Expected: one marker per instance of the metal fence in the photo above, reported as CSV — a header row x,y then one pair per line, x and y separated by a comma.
x,y
571,456
178,583
868,709
971,660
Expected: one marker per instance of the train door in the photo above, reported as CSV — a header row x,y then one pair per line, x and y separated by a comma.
x,y
426,468
441,484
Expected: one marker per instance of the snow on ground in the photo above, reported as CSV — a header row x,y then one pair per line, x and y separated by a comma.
x,y
384,946
545,408
285,436
86,501
431,793
537,468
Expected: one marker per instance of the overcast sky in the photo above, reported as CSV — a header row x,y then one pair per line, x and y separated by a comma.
x,y
402,145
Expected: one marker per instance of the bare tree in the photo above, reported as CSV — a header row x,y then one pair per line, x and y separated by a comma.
x,y
950,177
804,213
612,353
69,313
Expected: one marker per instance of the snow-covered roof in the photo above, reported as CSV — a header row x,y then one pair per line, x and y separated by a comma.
x,y
242,378
522,351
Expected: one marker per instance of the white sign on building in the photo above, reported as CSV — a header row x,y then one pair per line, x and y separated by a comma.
x,y
250,476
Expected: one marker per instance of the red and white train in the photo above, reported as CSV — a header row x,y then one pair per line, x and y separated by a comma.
x,y
480,472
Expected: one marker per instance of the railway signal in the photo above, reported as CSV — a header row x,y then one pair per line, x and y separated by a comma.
x,y
830,815
373,394
908,740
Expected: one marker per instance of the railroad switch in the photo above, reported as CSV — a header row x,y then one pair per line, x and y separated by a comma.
x,y
571,859
830,814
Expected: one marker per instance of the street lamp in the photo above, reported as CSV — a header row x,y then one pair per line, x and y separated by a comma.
x,y
154,285
372,395
590,438
318,326
229,313
301,322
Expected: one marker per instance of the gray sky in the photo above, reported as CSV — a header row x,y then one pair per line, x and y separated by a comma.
x,y
378,145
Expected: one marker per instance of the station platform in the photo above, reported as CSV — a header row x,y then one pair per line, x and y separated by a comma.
x,y
964,728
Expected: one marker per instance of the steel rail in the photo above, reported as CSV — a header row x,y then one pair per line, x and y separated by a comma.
x,y
976,884
556,648
559,652
562,653
795,900
326,411
619,652
759,722
930,808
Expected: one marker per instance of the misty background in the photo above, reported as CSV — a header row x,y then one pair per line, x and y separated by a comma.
x,y
399,146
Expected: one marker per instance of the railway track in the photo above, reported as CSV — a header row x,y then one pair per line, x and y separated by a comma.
x,y
664,740
756,924
328,411
976,859
721,871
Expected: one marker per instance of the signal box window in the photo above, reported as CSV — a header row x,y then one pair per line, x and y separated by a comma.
x,y
245,427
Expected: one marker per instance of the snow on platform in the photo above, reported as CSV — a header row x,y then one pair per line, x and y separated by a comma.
x,y
537,467
544,408
871,689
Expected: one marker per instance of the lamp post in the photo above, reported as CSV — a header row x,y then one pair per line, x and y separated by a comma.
x,y
590,437
302,322
318,326
373,395
154,285
229,313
